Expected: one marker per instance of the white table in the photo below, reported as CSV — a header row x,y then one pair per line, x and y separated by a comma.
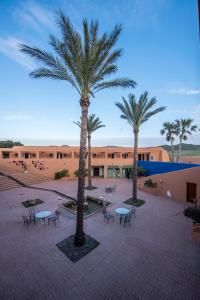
x,y
122,211
43,215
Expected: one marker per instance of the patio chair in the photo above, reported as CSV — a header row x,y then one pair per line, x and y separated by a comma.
x,y
57,213
108,216
26,221
33,219
108,190
31,211
168,194
53,218
104,207
113,188
126,220
132,211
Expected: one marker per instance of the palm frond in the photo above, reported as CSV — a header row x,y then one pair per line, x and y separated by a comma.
x,y
93,124
138,112
77,123
120,82
84,59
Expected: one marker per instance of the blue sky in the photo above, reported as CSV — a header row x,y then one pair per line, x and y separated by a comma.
x,y
161,53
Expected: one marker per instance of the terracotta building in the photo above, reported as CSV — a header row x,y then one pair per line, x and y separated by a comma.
x,y
112,162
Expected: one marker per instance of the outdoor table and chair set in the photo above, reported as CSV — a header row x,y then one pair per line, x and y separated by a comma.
x,y
46,217
123,214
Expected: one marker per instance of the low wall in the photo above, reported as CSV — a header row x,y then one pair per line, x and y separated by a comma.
x,y
175,182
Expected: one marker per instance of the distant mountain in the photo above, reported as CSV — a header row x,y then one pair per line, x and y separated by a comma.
x,y
110,146
185,147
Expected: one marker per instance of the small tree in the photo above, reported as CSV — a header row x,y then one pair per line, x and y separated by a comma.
x,y
169,130
136,113
184,128
93,123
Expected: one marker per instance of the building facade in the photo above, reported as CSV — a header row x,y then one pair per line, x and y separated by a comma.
x,y
111,162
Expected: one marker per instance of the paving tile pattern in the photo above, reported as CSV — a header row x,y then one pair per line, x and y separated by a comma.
x,y
154,258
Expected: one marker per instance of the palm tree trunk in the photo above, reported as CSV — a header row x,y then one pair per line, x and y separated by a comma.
x,y
179,154
89,162
135,152
79,238
172,147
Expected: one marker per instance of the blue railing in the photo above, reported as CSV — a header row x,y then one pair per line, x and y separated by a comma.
x,y
155,167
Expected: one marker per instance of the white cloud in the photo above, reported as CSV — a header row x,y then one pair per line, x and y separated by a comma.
x,y
179,91
16,117
34,15
10,47
185,92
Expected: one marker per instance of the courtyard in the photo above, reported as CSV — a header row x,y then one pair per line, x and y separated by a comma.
x,y
154,258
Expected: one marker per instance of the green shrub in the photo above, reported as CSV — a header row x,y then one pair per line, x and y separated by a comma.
x,y
62,173
149,183
193,213
141,171
76,173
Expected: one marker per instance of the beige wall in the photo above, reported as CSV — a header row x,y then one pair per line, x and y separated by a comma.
x,y
176,183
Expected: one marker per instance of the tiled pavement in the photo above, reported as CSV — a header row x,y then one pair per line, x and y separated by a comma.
x,y
155,258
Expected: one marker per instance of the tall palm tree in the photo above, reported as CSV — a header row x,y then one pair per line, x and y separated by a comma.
x,y
136,113
184,128
169,130
85,61
93,123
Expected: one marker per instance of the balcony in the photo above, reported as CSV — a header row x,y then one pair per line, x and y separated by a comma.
x,y
127,155
101,155
114,155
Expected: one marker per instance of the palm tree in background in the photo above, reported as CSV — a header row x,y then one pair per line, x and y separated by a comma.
x,y
184,128
93,123
136,113
85,61
169,130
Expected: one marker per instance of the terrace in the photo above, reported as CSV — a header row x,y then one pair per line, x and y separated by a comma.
x,y
101,155
154,258
113,155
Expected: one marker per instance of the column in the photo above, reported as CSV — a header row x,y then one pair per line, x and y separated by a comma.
x,y
105,171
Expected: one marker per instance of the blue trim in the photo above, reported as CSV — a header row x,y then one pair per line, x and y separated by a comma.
x,y
156,167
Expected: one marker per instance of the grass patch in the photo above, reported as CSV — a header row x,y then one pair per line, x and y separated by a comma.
x,y
91,187
188,153
30,203
75,253
135,202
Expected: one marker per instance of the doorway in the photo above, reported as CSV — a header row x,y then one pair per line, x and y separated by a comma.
x,y
95,171
191,192
113,172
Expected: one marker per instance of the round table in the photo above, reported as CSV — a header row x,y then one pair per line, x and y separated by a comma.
x,y
122,211
43,215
